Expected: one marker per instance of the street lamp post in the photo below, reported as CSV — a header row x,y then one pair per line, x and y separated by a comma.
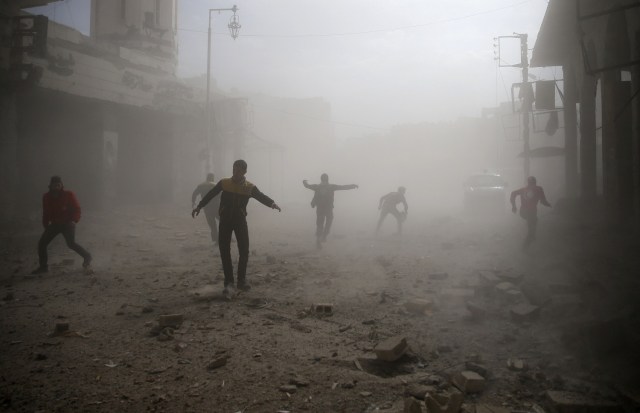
x,y
234,28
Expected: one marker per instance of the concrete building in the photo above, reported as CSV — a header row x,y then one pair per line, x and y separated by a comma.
x,y
597,44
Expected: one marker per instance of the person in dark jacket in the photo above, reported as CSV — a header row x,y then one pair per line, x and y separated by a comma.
x,y
323,203
387,205
530,195
211,210
60,214
236,192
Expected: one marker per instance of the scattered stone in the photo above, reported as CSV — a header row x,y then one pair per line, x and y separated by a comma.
x,y
505,286
438,276
444,403
477,312
525,313
418,305
412,405
469,382
166,334
323,309
392,348
178,347
60,329
288,388
517,364
570,402
476,367
365,393
488,277
171,320
344,328
217,363
419,391
299,381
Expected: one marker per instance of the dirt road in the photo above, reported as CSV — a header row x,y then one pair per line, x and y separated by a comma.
x,y
236,356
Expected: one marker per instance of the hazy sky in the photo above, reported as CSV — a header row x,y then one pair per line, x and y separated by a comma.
x,y
378,63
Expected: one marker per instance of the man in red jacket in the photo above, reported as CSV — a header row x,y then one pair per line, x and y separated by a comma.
x,y
530,195
60,214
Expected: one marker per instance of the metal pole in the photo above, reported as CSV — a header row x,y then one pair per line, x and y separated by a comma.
x,y
208,105
524,59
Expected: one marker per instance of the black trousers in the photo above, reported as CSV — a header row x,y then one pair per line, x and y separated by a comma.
x,y
212,215
68,231
393,211
324,219
229,225
532,224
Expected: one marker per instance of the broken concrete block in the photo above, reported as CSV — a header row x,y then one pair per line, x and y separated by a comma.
x,y
487,277
288,388
524,312
469,382
392,348
570,402
170,320
60,328
476,310
419,391
444,403
476,367
216,363
418,305
438,276
322,309
517,364
412,405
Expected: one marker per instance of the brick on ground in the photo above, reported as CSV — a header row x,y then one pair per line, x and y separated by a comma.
x,y
525,312
392,348
469,382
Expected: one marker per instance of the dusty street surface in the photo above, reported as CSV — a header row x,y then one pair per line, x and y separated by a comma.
x,y
266,351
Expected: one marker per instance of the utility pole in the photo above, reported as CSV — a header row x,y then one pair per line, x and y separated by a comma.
x,y
234,28
527,101
526,93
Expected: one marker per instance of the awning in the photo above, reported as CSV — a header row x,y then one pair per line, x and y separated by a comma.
x,y
544,152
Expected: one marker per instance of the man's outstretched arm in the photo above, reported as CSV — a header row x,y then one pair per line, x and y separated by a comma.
x,y
344,187
208,197
313,187
263,199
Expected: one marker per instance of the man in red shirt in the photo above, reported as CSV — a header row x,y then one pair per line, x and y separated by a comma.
x,y
60,214
530,195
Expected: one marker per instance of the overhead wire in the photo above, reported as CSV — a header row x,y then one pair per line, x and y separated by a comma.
x,y
359,33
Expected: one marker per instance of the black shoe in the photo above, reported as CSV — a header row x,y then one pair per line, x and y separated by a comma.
x,y
87,262
40,270
244,287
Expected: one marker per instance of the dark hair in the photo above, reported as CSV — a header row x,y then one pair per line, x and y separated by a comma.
x,y
210,177
324,177
240,163
531,180
55,179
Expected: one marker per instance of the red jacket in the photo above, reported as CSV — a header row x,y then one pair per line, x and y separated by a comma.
x,y
61,209
529,197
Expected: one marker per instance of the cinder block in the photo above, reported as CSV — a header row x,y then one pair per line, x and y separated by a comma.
x,y
419,305
469,382
392,348
322,309
171,320
525,312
